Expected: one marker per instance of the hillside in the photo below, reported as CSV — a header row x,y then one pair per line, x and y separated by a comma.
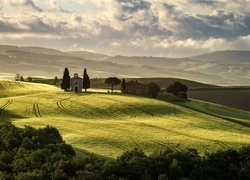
x,y
233,57
42,62
15,88
162,82
236,97
89,55
98,83
109,124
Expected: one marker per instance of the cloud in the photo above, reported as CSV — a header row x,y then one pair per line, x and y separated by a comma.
x,y
115,44
55,6
138,27
23,3
21,36
6,27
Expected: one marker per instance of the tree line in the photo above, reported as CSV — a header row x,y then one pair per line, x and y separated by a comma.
x,y
177,88
20,77
41,154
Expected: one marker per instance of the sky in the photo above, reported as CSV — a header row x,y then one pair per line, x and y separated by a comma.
x,y
169,28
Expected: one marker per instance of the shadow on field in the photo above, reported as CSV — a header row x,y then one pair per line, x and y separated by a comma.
x,y
207,112
84,153
115,108
232,120
6,115
118,109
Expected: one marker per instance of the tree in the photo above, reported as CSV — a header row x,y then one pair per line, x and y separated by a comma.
x,y
29,79
56,80
17,78
86,80
178,89
113,81
123,86
153,89
66,80
21,78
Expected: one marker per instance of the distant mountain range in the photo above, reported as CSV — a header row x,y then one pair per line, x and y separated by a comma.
x,y
220,68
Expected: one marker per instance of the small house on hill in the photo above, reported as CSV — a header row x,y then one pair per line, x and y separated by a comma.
x,y
134,87
76,83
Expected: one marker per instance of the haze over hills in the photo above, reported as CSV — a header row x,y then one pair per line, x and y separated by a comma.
x,y
220,68
227,56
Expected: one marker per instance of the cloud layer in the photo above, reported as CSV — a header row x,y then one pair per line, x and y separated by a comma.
x,y
128,27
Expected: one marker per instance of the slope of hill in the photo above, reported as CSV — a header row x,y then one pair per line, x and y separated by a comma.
x,y
46,65
225,56
42,62
32,49
109,124
162,82
15,88
236,97
89,55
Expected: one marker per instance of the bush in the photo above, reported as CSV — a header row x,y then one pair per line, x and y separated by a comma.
x,y
153,89
178,89
42,154
30,154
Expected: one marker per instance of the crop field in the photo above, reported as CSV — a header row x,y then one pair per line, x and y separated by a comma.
x,y
109,124
233,97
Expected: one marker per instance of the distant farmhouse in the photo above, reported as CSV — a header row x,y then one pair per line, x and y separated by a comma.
x,y
134,87
76,83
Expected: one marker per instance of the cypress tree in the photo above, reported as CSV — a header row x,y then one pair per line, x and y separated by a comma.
x,y
55,81
86,80
123,86
66,80
21,78
17,78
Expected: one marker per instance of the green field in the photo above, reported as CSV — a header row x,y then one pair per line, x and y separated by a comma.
x,y
235,97
109,124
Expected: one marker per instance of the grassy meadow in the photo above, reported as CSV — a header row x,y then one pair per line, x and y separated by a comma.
x,y
232,96
109,124
237,97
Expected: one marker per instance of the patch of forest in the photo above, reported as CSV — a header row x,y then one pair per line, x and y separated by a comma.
x,y
28,153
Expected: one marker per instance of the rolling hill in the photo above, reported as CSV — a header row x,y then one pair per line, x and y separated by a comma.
x,y
219,68
225,56
109,124
162,82
236,97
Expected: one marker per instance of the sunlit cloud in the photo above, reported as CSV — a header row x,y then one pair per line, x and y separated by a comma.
x,y
128,27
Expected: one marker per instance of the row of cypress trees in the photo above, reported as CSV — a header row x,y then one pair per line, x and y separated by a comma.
x,y
65,85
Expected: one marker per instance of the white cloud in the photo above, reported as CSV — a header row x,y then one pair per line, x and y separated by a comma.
x,y
115,44
54,6
139,27
15,36
23,4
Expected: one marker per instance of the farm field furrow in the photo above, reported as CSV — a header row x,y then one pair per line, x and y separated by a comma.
x,y
109,124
